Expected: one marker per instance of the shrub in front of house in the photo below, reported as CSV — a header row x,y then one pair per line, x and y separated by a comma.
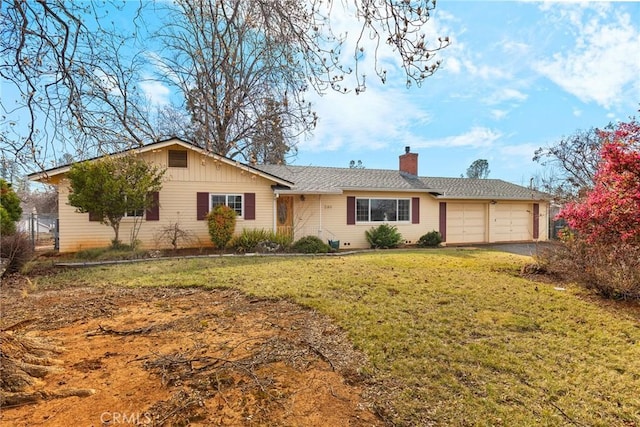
x,y
16,251
384,236
310,245
260,240
430,240
222,224
7,226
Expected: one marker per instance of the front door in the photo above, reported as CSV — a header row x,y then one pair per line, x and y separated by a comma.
x,y
284,214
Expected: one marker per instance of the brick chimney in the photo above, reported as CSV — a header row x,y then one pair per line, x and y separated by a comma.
x,y
409,162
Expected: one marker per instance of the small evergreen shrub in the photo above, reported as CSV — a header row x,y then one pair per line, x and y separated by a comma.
x,y
7,225
310,245
16,250
222,224
249,239
255,240
430,240
384,236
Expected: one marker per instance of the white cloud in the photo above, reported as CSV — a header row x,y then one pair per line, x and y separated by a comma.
x,y
156,92
604,62
373,120
452,65
499,114
505,95
476,137
484,72
518,154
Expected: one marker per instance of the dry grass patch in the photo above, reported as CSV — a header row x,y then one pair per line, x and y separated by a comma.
x,y
453,337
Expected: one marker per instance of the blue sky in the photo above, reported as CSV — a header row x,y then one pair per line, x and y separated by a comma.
x,y
517,76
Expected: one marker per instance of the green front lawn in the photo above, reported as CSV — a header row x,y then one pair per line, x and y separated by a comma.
x,y
454,337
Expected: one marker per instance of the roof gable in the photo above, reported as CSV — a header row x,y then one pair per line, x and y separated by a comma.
x,y
164,144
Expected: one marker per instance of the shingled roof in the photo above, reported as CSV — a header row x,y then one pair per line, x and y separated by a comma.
x,y
315,179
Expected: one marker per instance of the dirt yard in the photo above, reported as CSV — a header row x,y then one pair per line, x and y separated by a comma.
x,y
175,357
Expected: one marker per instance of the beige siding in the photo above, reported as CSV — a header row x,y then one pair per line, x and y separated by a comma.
x,y
466,222
325,216
177,205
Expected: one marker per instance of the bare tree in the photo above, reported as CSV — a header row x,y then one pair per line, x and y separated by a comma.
x,y
231,58
229,64
571,164
75,84
173,121
74,74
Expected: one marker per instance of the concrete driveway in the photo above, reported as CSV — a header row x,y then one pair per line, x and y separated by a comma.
x,y
528,249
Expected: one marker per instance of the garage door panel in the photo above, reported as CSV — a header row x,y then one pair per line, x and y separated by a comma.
x,y
513,222
466,222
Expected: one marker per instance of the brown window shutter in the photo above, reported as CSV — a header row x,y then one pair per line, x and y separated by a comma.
x,y
415,210
536,220
153,213
351,210
94,217
443,221
249,205
202,205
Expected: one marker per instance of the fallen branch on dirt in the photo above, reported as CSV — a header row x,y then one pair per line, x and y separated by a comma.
x,y
12,400
24,361
108,331
320,354
19,325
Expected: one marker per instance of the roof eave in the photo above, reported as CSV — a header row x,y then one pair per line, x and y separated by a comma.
x,y
498,198
394,190
45,175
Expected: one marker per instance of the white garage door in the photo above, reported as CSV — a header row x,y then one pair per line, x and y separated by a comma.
x,y
513,222
466,222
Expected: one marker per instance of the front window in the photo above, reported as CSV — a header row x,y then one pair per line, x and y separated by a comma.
x,y
132,211
234,201
382,210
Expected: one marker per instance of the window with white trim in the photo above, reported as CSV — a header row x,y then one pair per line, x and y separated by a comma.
x,y
383,210
234,201
132,212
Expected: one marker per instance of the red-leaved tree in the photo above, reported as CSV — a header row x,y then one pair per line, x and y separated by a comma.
x,y
610,212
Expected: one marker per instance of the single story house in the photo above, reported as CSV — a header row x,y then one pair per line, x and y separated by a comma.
x,y
337,204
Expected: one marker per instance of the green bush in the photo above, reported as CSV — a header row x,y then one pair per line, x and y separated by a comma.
x,y
430,240
16,249
310,245
384,236
10,201
222,224
250,239
7,225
